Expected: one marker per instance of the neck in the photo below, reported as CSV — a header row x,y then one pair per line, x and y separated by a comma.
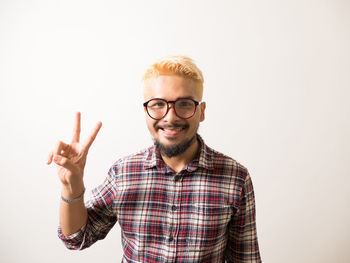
x,y
177,163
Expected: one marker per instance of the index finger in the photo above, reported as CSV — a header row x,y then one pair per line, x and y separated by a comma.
x,y
76,128
89,140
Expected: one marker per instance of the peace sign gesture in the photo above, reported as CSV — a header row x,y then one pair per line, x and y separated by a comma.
x,y
71,158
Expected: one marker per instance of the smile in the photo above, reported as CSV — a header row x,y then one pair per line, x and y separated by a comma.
x,y
172,130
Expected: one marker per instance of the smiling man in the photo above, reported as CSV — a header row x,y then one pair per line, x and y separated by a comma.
x,y
176,201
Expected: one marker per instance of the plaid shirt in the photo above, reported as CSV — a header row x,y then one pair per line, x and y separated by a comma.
x,y
205,213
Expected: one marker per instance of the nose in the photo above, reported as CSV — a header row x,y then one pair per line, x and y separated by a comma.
x,y
171,115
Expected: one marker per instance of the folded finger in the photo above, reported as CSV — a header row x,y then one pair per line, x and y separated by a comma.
x,y
59,147
64,162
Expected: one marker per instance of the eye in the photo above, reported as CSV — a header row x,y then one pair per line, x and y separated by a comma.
x,y
185,103
154,104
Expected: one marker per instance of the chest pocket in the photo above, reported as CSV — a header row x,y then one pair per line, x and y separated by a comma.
x,y
209,223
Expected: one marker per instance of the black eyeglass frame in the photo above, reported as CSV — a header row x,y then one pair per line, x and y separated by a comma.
x,y
196,103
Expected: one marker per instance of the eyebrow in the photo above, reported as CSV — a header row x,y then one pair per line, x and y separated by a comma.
x,y
186,97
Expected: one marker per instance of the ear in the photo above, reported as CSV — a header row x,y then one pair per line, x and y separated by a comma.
x,y
202,106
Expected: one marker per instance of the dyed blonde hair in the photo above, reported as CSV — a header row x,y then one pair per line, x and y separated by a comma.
x,y
177,65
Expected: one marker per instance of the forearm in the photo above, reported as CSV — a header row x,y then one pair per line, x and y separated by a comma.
x,y
73,216
243,242
83,224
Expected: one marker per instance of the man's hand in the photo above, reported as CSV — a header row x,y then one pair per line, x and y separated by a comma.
x,y
71,159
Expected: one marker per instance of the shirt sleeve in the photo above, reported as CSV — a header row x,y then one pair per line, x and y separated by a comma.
x,y
101,217
242,243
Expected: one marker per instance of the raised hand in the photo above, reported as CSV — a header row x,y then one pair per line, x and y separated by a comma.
x,y
71,158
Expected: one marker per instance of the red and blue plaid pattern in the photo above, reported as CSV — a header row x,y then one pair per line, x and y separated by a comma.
x,y
205,213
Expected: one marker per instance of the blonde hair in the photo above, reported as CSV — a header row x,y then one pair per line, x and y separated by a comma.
x,y
177,65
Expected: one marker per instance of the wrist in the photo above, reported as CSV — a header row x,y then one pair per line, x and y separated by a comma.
x,y
80,197
72,192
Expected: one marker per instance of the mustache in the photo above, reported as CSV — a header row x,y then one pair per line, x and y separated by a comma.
x,y
170,126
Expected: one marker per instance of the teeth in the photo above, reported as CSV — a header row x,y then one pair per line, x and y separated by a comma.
x,y
171,130
177,129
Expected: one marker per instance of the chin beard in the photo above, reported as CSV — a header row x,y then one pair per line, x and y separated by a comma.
x,y
174,150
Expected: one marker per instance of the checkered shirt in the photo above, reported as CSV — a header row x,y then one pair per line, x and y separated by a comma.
x,y
205,213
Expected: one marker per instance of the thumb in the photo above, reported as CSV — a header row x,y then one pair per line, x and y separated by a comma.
x,y
64,162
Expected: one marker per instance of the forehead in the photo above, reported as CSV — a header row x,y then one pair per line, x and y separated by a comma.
x,y
170,87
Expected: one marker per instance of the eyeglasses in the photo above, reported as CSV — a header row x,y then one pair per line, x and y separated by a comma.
x,y
184,108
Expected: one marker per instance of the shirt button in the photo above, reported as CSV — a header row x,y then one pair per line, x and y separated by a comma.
x,y
171,239
174,208
177,178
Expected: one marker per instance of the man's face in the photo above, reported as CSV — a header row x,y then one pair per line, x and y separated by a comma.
x,y
173,132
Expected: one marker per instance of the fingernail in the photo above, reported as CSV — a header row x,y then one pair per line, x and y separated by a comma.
x,y
57,158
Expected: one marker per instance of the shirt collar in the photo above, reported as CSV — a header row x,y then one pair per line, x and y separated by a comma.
x,y
206,159
203,159
153,159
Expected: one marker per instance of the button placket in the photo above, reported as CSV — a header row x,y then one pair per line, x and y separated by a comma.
x,y
174,213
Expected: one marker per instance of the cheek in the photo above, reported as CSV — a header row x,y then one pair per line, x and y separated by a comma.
x,y
197,118
150,123
194,123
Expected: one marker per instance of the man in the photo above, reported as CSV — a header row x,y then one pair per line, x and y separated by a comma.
x,y
178,200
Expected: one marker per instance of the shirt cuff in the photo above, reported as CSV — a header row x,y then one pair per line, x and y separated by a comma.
x,y
73,241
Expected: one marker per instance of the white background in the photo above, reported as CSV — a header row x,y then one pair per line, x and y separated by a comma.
x,y
277,91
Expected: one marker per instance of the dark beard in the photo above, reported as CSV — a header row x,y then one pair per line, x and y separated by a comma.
x,y
175,150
